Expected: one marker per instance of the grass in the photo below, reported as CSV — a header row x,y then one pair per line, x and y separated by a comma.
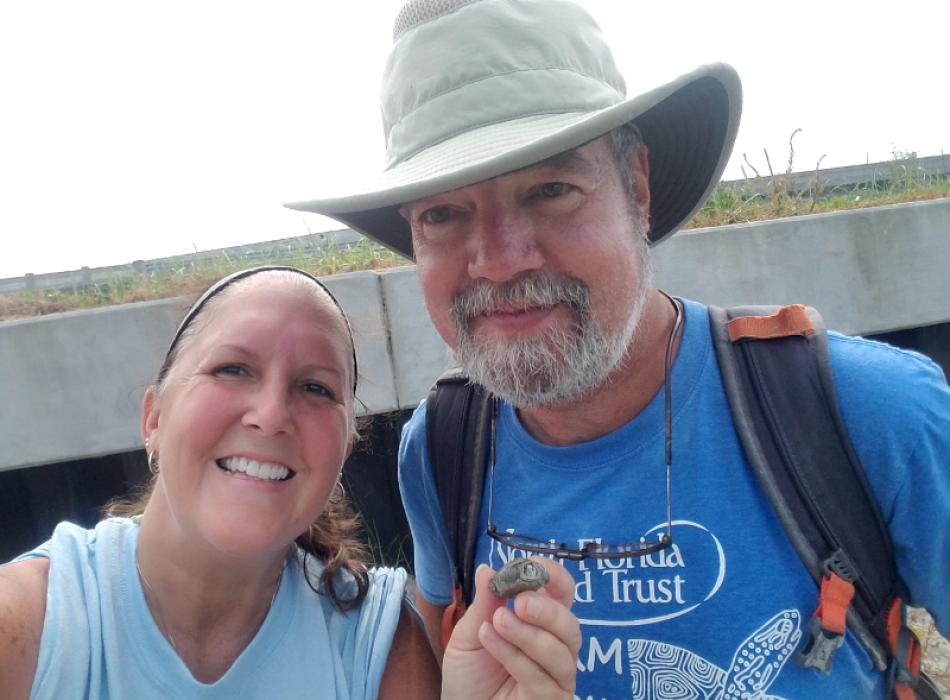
x,y
776,198
192,277
767,197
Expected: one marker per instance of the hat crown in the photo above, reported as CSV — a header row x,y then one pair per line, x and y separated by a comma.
x,y
459,65
416,12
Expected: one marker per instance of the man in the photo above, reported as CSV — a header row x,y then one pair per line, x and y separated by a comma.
x,y
528,189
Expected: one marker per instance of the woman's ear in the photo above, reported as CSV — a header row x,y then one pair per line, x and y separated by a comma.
x,y
149,422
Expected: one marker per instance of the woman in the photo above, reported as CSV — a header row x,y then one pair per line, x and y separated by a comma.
x,y
238,574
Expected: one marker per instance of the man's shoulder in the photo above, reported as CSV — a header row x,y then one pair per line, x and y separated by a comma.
x,y
890,398
862,360
415,427
413,449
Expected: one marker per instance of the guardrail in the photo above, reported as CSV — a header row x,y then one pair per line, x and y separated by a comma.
x,y
850,176
87,277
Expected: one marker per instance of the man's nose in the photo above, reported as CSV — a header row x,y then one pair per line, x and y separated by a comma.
x,y
269,409
503,245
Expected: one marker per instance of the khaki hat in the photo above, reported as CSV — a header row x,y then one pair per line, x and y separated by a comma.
x,y
474,89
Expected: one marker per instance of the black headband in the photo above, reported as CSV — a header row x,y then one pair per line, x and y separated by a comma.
x,y
242,274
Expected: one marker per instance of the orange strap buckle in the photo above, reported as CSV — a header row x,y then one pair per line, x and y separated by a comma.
x,y
905,647
833,603
827,626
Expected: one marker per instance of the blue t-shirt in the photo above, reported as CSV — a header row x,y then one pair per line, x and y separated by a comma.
x,y
99,639
721,612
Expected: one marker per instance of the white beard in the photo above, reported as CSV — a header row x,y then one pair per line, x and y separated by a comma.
x,y
558,365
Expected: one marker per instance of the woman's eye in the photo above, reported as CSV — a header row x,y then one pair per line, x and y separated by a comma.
x,y
318,389
436,215
553,189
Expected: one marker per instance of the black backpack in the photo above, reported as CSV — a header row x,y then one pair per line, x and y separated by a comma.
x,y
777,375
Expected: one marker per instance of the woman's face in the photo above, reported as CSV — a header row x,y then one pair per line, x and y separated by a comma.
x,y
254,420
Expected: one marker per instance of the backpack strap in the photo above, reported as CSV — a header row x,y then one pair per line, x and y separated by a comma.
x,y
458,423
777,376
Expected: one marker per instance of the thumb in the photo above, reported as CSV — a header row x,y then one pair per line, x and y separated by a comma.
x,y
484,605
561,583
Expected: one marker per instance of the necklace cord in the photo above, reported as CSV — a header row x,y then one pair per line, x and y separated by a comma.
x,y
668,404
163,625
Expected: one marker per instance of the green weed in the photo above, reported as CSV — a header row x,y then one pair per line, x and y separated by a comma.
x,y
773,195
194,274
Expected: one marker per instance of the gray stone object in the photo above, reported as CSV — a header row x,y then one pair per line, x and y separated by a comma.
x,y
519,575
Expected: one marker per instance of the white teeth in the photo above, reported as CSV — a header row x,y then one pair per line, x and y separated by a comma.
x,y
259,470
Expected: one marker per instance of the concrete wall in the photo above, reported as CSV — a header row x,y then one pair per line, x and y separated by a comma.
x,y
867,270
71,384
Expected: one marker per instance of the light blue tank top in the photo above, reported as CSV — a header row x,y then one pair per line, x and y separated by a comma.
x,y
100,641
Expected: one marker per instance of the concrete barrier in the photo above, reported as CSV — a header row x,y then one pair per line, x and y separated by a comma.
x,y
71,383
867,270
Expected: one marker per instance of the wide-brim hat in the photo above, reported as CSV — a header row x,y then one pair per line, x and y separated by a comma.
x,y
474,89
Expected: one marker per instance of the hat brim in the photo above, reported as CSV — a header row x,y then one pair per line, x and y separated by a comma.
x,y
689,126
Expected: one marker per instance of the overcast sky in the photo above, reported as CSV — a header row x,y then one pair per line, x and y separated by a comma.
x,y
133,130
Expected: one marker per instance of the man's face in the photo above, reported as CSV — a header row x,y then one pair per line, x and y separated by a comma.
x,y
536,279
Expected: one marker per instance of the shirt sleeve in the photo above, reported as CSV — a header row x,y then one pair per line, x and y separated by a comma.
x,y
374,627
920,522
896,405
431,558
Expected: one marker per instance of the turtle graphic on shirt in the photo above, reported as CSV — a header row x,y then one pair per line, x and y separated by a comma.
x,y
665,671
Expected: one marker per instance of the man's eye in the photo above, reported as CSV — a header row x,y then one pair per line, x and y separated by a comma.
x,y
553,189
436,215
231,371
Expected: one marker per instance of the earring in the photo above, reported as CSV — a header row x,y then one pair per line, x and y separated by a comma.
x,y
152,458
338,495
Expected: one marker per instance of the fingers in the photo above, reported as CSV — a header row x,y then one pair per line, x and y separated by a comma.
x,y
557,621
537,642
531,678
543,639
561,584
465,635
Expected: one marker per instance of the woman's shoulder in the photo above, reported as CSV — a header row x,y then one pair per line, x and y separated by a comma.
x,y
23,587
75,539
390,577
385,597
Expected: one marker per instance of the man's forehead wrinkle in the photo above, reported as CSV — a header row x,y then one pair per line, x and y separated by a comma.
x,y
573,161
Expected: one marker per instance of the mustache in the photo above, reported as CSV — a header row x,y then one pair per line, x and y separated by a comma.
x,y
529,291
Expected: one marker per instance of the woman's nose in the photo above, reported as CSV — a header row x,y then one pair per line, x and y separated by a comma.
x,y
269,410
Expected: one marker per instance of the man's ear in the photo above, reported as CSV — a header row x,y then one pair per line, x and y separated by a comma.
x,y
149,422
640,177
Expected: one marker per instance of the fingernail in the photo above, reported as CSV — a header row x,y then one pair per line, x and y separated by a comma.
x,y
532,607
483,629
507,618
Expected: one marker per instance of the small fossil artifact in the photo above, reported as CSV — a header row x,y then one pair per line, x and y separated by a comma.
x,y
518,575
